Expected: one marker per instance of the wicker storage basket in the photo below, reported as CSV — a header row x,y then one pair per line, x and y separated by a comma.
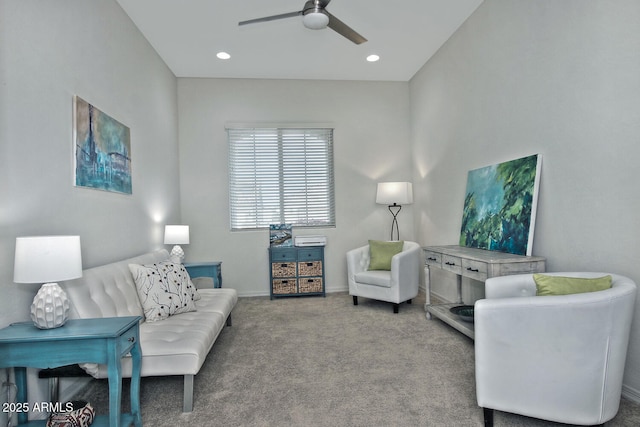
x,y
283,286
310,268
309,285
283,269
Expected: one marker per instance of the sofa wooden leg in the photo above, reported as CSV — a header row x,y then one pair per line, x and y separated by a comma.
x,y
488,417
355,300
396,307
187,405
229,320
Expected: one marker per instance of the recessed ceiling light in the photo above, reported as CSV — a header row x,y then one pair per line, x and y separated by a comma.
x,y
373,58
223,55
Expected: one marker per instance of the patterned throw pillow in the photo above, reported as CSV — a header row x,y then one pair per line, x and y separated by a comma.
x,y
164,289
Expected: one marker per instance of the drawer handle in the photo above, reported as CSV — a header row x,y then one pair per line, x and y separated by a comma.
x,y
284,265
285,282
309,280
432,258
309,264
475,270
131,339
450,263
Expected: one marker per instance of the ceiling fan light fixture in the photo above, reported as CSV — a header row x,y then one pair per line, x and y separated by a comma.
x,y
315,20
223,55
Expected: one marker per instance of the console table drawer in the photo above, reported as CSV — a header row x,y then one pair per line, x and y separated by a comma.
x,y
452,264
433,258
284,254
311,254
474,269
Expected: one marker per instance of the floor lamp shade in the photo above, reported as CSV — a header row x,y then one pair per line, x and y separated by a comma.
x,y
48,259
394,195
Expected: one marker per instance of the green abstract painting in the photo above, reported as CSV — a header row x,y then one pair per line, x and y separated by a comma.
x,y
500,206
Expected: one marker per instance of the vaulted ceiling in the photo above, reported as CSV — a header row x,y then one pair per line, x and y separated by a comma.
x,y
188,34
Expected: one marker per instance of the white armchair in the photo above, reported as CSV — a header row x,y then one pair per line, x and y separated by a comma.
x,y
395,286
558,358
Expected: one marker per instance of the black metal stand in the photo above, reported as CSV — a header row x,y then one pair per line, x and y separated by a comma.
x,y
394,223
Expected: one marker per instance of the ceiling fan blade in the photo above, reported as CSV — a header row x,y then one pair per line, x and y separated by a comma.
x,y
343,29
271,18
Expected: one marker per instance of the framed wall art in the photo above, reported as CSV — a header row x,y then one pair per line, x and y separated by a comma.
x,y
102,149
500,206
280,235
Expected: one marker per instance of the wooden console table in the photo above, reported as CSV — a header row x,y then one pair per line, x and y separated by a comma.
x,y
477,264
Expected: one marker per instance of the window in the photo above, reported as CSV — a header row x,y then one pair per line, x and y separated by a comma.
x,y
281,176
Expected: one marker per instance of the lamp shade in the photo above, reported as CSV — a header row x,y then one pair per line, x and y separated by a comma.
x,y
41,259
176,234
390,193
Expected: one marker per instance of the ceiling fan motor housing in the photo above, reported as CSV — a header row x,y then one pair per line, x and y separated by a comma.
x,y
314,18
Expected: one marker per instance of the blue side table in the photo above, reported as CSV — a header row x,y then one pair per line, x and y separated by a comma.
x,y
206,269
103,341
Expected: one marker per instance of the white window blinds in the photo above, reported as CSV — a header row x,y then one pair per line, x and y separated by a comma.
x,y
281,176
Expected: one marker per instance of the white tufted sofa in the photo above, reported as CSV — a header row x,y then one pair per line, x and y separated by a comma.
x,y
174,346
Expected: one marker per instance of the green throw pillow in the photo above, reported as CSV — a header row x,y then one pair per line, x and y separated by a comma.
x,y
559,285
381,253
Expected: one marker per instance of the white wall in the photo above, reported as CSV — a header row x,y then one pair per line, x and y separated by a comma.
x,y
557,78
371,143
50,51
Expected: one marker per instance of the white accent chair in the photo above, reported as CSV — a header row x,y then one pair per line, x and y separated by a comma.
x,y
558,358
395,286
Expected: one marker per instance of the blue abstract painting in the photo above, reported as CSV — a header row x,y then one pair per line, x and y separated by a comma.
x,y
102,150
500,206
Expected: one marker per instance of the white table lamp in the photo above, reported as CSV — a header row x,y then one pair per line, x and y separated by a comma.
x,y
176,235
48,259
394,195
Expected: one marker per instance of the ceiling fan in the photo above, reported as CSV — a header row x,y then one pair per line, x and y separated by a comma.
x,y
316,17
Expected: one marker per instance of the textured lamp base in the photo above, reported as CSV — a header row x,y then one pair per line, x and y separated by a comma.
x,y
50,307
177,254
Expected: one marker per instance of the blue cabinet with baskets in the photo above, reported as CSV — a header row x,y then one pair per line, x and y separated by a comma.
x,y
296,271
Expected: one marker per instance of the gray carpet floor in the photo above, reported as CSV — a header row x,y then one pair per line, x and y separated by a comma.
x,y
323,362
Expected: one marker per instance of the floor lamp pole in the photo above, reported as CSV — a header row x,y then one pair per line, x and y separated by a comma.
x,y
394,223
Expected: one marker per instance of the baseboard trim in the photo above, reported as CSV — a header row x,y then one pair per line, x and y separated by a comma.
x,y
266,294
631,393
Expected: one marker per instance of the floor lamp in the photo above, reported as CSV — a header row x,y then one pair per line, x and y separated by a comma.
x,y
394,195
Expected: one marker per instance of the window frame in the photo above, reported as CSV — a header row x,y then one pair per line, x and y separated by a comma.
x,y
279,168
